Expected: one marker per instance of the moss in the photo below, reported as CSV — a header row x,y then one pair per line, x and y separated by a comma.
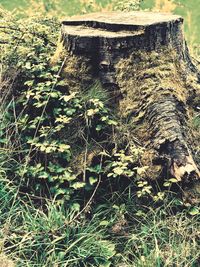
x,y
149,77
77,72
84,158
145,76
58,54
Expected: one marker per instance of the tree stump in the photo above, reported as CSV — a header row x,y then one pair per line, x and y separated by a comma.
x,y
145,56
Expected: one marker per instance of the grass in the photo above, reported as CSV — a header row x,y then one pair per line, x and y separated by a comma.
x,y
165,241
119,231
49,236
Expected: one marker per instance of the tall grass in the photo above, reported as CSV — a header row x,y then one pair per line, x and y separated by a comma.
x,y
118,232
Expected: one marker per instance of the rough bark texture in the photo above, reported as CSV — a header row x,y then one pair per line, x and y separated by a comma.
x,y
145,56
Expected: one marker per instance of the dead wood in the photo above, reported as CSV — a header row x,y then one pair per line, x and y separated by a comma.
x,y
145,56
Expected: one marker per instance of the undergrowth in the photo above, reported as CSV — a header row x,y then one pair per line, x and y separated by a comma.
x,y
118,231
71,194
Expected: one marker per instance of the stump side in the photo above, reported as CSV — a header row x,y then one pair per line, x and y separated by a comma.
x,y
136,30
109,37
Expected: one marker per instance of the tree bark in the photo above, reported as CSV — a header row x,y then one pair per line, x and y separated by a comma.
x,y
145,56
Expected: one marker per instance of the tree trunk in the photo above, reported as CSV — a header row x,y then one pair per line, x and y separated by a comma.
x,y
145,56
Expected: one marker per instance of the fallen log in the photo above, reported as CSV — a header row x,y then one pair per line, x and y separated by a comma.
x,y
145,56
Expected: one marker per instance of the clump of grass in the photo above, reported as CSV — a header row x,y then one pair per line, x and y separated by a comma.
x,y
163,241
119,231
150,235
51,235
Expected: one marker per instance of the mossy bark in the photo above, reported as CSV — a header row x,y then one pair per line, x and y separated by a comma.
x,y
156,96
144,56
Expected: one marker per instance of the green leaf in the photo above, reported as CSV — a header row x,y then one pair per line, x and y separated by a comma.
x,y
61,83
68,176
48,150
173,180
109,248
63,148
112,122
43,175
61,255
70,111
54,94
92,180
91,112
166,184
60,191
104,118
99,127
28,65
105,264
76,207
67,98
194,211
118,170
78,185
115,207
104,223
29,83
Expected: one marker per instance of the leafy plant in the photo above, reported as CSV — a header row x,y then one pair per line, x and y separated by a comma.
x,y
43,113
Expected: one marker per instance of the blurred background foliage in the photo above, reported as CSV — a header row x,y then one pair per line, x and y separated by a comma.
x,y
186,8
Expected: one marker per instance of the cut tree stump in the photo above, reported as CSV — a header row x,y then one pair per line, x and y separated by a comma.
x,y
145,56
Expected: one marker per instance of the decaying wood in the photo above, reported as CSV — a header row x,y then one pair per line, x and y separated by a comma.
x,y
145,56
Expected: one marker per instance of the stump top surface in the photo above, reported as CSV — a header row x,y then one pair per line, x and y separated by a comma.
x,y
91,32
136,18
119,28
